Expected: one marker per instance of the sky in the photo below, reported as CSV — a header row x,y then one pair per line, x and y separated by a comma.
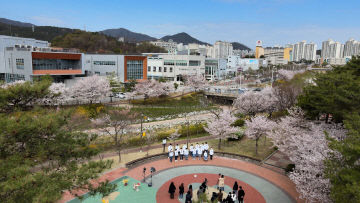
x,y
275,22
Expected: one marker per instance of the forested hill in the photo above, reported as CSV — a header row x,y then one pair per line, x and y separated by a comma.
x,y
93,42
46,33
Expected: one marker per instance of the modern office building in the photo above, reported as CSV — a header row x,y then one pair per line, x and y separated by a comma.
x,y
173,67
26,59
215,69
124,67
170,45
275,55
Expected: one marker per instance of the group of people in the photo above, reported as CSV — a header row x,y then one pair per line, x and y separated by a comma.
x,y
199,151
189,193
236,196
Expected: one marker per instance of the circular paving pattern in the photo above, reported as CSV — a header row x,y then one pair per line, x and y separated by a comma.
x,y
195,180
256,188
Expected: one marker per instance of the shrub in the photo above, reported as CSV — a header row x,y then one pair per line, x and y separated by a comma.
x,y
239,136
134,141
289,168
279,114
239,123
193,129
91,110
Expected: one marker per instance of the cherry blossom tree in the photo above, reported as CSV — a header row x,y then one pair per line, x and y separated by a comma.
x,y
220,125
306,145
114,124
59,94
197,82
288,74
90,89
152,88
252,102
257,127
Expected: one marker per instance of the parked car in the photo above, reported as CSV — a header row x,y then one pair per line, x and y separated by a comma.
x,y
258,89
120,95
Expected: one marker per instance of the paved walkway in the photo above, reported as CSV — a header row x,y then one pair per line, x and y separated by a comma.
x,y
250,170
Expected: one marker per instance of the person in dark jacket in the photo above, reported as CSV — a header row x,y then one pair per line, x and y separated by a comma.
x,y
172,189
229,199
188,197
241,195
181,191
235,187
220,196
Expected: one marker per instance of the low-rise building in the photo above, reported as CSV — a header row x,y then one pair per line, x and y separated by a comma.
x,y
173,67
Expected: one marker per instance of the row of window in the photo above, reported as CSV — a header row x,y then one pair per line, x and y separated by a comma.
x,y
55,64
159,69
134,69
105,63
20,63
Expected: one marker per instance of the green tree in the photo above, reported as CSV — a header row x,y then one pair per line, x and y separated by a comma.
x,y
344,171
335,92
23,95
115,84
40,157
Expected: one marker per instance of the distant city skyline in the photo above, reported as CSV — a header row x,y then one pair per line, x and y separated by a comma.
x,y
245,21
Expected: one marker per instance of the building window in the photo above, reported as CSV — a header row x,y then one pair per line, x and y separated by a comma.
x,y
159,69
134,69
169,62
164,69
181,63
56,64
105,63
20,63
97,73
194,63
154,69
149,68
171,69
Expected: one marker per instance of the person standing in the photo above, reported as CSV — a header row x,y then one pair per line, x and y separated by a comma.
x,y
164,144
220,196
241,195
194,153
170,148
177,147
188,197
205,156
176,153
206,147
199,153
235,187
191,149
186,154
221,183
171,155
184,146
181,191
172,189
211,153
181,152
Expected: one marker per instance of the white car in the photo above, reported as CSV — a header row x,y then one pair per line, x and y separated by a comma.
x,y
120,95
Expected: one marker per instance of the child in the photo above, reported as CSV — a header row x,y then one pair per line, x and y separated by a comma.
x,y
176,155
211,153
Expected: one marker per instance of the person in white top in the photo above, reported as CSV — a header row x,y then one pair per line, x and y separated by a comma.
x,y
186,154
176,153
191,149
211,153
171,154
202,146
194,152
199,153
197,145
170,148
164,144
205,156
177,147
206,146
184,146
181,152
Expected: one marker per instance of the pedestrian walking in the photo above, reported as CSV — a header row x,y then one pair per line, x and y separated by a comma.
x,y
188,197
221,183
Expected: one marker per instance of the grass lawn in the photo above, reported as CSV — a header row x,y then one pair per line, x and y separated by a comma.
x,y
245,147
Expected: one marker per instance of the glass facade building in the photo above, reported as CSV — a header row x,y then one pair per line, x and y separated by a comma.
x,y
134,69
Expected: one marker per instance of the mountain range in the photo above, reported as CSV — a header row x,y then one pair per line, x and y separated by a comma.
x,y
48,33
